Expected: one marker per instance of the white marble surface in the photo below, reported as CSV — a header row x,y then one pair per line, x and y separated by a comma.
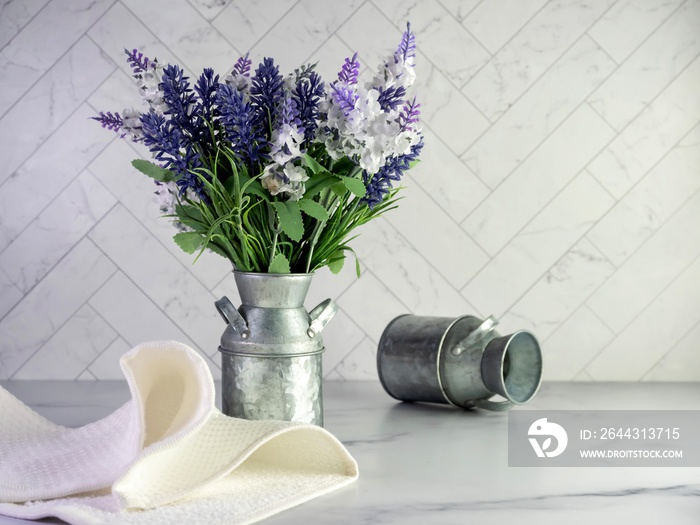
x,y
433,464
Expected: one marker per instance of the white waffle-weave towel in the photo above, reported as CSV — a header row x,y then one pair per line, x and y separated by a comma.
x,y
166,456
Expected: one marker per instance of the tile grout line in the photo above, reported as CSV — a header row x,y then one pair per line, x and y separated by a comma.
x,y
508,41
660,93
618,334
46,72
56,330
175,323
601,319
58,127
673,347
31,289
211,25
547,70
558,59
60,192
457,222
340,362
157,39
277,22
548,135
637,48
25,25
637,183
53,266
334,33
99,354
541,208
424,258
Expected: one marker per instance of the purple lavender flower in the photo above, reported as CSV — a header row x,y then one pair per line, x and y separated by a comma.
x,y
391,97
379,185
206,89
165,140
344,97
237,117
350,70
178,96
409,115
265,93
188,179
307,94
139,63
110,121
242,66
289,113
162,137
407,47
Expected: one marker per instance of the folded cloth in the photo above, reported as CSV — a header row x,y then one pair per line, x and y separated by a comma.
x,y
166,456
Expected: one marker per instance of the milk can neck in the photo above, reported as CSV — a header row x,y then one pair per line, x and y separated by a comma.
x,y
272,290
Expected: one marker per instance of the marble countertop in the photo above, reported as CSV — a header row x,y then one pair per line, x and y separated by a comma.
x,y
433,464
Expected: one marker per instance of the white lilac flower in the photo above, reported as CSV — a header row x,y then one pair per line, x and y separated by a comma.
x,y
238,82
285,143
287,139
288,180
148,83
239,78
166,197
131,126
394,72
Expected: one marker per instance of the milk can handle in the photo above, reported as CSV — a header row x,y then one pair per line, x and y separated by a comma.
x,y
320,316
476,335
232,317
496,406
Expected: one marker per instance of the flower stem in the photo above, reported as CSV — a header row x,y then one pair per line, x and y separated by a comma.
x,y
327,193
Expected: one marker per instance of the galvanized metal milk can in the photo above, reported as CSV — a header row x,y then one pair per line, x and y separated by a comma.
x,y
460,361
271,349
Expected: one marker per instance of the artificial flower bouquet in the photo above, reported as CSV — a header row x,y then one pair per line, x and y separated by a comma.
x,y
274,172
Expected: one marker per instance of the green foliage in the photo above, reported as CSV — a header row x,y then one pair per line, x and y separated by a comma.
x,y
290,220
313,209
152,170
190,242
279,264
259,232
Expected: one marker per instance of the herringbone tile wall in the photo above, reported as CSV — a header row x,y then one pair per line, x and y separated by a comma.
x,y
559,188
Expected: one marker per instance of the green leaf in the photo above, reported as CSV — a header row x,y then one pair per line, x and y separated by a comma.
x,y
228,184
339,189
213,247
313,209
153,171
190,242
190,216
412,164
354,185
279,264
290,219
344,166
252,185
336,262
319,182
313,164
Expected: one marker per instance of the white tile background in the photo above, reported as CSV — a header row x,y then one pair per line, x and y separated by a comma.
x,y
559,188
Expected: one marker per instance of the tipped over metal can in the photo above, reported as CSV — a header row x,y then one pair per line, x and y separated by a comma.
x,y
459,361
